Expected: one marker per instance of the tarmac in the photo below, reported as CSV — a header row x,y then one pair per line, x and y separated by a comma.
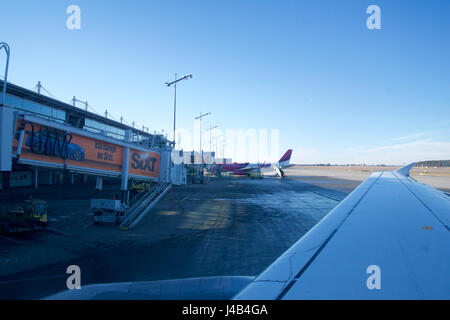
x,y
230,226
438,178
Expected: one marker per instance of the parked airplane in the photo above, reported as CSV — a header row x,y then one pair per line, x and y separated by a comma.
x,y
248,168
388,239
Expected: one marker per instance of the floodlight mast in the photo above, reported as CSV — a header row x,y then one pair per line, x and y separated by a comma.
x,y
200,118
4,45
210,130
168,84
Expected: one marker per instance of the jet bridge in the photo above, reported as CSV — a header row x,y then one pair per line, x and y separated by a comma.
x,y
41,135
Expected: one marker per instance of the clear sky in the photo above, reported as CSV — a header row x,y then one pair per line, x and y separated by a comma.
x,y
337,91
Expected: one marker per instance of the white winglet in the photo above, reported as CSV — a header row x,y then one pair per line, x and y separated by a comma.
x,y
405,170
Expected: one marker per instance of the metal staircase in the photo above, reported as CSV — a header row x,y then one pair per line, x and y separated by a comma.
x,y
144,204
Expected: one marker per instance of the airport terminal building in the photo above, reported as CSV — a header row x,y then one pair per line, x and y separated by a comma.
x,y
46,141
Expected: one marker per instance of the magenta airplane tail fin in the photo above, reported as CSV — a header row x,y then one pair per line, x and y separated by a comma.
x,y
286,156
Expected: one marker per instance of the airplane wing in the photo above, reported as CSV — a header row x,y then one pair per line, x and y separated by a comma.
x,y
389,239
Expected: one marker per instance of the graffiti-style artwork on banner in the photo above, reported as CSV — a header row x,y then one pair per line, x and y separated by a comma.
x,y
55,146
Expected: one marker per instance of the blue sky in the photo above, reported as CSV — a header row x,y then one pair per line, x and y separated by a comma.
x,y
337,91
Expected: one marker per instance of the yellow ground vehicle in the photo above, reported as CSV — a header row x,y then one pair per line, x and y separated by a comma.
x,y
32,215
139,187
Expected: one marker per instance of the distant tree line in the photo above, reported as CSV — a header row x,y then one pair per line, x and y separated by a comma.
x,y
434,163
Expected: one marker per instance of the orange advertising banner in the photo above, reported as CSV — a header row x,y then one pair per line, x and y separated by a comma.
x,y
144,163
51,145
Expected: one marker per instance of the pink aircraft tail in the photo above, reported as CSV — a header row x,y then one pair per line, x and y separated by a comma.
x,y
286,156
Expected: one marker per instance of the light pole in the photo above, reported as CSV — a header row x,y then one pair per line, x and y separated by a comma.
x,y
4,45
223,149
216,143
200,118
210,130
189,76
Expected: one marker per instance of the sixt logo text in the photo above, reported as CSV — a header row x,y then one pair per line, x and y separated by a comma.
x,y
143,164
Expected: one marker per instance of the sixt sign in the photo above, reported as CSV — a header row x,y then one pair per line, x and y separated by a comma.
x,y
144,163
